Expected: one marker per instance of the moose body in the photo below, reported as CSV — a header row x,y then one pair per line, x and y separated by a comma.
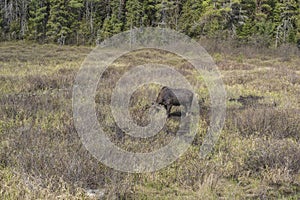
x,y
169,97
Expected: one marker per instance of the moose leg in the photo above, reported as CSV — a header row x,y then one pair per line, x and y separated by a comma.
x,y
185,109
169,109
166,107
188,108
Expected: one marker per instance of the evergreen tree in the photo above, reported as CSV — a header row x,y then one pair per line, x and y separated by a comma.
x,y
114,21
297,27
117,15
149,13
246,30
287,30
134,14
92,20
83,21
167,13
106,30
191,14
38,19
63,22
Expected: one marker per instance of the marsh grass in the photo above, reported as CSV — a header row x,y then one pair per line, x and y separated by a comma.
x,y
42,157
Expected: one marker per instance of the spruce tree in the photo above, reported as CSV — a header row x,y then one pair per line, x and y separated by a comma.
x,y
63,22
134,14
38,19
191,14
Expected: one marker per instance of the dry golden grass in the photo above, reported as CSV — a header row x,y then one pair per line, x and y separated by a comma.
x,y
41,155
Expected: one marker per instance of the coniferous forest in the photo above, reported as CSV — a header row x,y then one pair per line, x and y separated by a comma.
x,y
81,22
50,66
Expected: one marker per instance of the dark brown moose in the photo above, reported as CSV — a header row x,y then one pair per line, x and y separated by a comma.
x,y
169,97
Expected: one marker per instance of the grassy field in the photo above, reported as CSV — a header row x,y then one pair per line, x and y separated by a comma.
x,y
256,157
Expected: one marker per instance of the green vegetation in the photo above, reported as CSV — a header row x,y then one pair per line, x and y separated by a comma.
x,y
260,23
41,155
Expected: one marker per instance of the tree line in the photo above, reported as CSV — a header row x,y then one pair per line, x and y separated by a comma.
x,y
265,22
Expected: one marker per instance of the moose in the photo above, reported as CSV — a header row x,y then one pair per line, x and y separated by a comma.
x,y
169,97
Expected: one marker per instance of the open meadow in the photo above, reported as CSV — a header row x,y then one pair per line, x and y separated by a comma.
x,y
256,157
